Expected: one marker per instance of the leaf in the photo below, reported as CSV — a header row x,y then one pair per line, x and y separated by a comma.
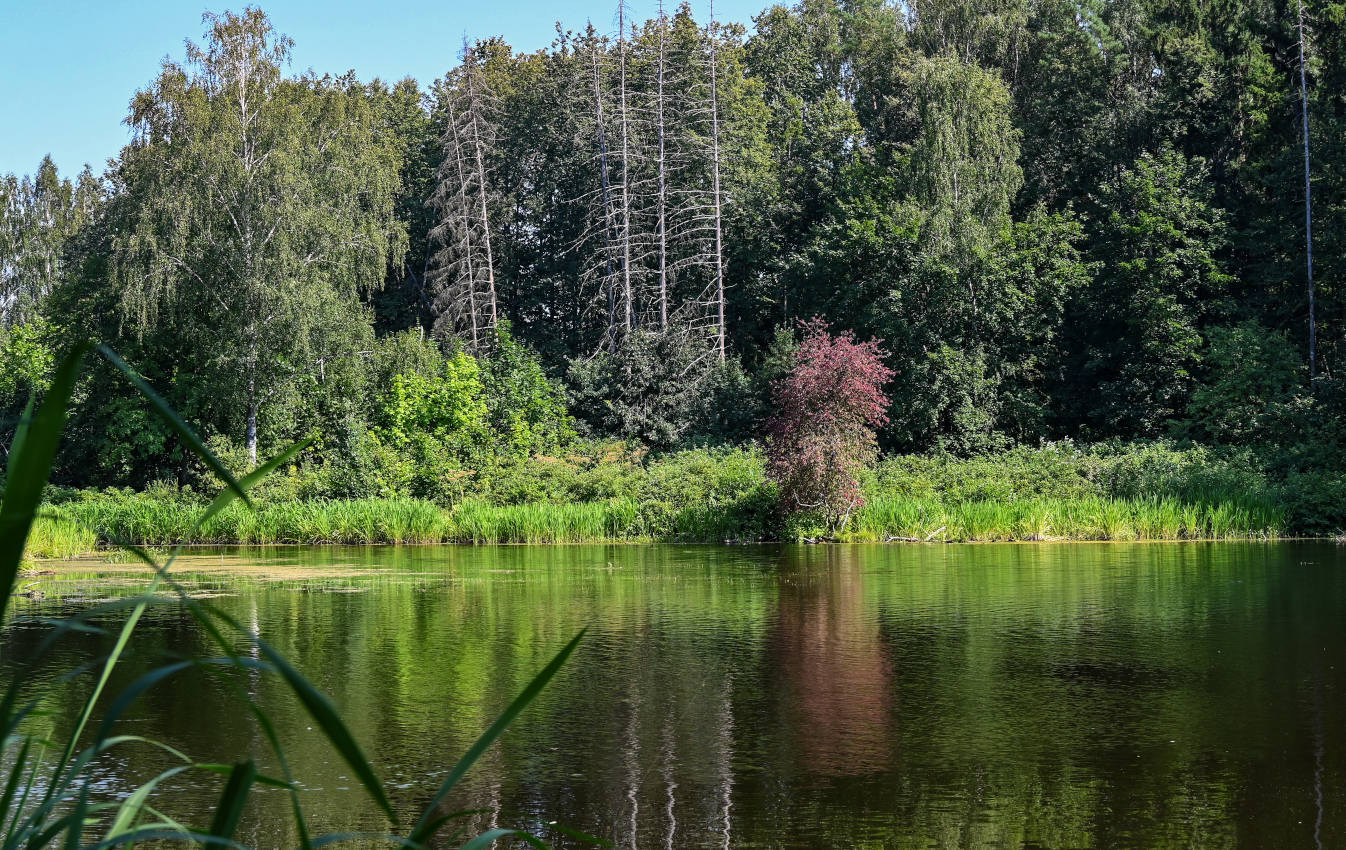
x,y
486,839
248,481
260,779
322,711
232,799
171,418
129,811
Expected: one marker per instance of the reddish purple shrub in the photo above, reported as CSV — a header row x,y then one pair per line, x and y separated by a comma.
x,y
822,432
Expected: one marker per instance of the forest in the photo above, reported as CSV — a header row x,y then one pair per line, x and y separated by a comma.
x,y
1074,234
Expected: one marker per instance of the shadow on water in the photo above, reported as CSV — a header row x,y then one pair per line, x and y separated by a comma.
x,y
1046,696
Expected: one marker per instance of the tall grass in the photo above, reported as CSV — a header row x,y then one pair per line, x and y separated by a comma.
x,y
55,535
146,521
586,522
1088,518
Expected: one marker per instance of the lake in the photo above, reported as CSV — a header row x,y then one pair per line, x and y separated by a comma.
x,y
1043,695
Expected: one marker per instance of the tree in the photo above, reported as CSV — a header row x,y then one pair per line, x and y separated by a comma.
x,y
1250,380
38,216
964,159
258,208
464,277
1161,279
822,435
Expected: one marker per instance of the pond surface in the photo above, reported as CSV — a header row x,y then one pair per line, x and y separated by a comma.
x,y
1044,696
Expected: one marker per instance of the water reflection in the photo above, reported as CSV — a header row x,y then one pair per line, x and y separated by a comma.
x,y
836,672
792,697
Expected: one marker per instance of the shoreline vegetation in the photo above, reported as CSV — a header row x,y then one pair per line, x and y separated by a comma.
x,y
413,522
1059,491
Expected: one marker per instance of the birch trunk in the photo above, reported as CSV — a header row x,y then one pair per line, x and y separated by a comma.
x,y
1308,200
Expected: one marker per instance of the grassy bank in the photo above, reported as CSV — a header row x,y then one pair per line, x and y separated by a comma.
x,y
1060,491
75,529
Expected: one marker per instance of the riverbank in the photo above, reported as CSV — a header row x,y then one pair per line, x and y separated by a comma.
x,y
78,529
1055,492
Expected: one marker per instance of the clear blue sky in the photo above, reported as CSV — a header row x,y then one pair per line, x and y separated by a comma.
x,y
69,69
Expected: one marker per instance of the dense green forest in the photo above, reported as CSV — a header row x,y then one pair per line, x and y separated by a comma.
x,y
1069,222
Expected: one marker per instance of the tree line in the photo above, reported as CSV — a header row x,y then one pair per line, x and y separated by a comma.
x,y
1063,218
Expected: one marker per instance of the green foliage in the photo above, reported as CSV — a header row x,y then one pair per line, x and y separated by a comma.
x,y
1252,379
526,411
228,154
26,360
1092,518
1161,278
604,492
447,407
658,390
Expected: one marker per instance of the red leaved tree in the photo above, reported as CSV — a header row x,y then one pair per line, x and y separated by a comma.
x,y
822,432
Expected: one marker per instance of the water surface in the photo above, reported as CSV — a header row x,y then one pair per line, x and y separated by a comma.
x,y
1043,696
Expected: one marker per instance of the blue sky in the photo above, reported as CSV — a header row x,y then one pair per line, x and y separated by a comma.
x,y
69,69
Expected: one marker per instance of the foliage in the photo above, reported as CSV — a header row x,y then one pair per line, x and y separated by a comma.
x,y
1161,278
822,435
253,210
526,411
1252,378
657,391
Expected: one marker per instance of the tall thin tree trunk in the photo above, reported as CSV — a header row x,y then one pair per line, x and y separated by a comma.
x,y
629,309
715,159
662,203
607,204
474,105
1308,200
250,435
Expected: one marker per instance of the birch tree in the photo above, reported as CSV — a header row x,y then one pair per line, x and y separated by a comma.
x,y
38,214
260,207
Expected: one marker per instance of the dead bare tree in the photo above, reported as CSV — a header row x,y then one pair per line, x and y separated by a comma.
x,y
717,194
695,233
624,187
463,279
595,49
661,163
656,213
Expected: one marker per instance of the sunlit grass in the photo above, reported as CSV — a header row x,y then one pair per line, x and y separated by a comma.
x,y
1091,518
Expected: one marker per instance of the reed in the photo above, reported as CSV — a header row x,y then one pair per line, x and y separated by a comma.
x,y
586,522
59,537
1089,518
143,521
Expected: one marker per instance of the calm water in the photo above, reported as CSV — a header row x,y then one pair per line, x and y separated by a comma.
x,y
1045,696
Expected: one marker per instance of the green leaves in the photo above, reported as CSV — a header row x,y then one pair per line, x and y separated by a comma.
x,y
30,461
328,718
171,418
230,808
